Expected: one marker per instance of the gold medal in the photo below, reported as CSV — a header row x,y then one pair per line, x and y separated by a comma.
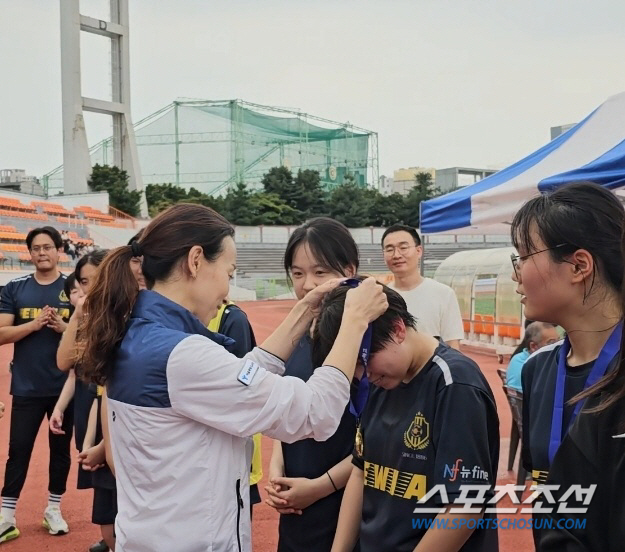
x,y
359,442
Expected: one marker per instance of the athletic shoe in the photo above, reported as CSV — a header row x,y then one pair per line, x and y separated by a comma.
x,y
8,531
99,547
53,521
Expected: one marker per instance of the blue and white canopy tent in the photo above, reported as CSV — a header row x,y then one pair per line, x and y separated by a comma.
x,y
594,149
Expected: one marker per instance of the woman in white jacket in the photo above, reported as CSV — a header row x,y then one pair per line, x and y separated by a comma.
x,y
181,408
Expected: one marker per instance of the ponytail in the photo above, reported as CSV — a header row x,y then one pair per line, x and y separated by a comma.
x,y
163,244
109,304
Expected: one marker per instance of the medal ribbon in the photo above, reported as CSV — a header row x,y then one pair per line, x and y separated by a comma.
x,y
599,368
360,399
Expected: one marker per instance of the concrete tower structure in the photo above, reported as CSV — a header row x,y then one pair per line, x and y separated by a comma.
x,y
76,161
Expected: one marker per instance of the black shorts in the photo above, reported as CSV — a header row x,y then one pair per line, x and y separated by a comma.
x,y
84,478
254,494
104,506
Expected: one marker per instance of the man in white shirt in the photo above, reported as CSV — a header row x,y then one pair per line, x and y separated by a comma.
x,y
433,304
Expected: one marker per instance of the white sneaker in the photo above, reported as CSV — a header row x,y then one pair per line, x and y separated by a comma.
x,y
8,531
53,521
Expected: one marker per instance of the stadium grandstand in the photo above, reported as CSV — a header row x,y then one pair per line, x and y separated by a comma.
x,y
19,215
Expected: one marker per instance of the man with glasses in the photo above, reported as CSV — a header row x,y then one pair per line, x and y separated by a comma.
x,y
33,314
433,304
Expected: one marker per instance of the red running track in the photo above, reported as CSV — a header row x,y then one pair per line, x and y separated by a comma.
x,y
264,315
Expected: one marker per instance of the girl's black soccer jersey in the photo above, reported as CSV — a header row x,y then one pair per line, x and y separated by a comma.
x,y
441,428
593,453
539,385
313,531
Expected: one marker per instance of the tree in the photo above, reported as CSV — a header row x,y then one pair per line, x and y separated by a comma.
x,y
386,209
237,207
423,190
115,181
312,200
350,204
161,196
269,209
426,188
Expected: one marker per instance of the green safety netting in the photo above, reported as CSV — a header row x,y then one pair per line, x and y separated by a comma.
x,y
210,145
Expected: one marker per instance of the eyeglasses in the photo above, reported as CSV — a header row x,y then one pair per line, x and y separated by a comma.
x,y
45,248
403,249
516,259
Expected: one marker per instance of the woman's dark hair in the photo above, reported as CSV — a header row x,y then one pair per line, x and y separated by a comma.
x,y
525,342
165,242
49,231
576,216
330,242
612,385
136,237
94,258
329,322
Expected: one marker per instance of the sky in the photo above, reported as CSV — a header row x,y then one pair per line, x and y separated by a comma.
x,y
445,83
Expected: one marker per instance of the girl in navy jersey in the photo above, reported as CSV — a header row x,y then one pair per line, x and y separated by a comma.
x,y
569,272
307,478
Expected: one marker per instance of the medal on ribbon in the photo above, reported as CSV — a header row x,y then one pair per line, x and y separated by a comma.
x,y
357,405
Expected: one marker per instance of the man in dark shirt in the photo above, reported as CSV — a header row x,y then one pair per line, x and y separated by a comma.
x,y
430,422
33,314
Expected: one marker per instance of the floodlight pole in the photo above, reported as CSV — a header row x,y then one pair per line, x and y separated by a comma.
x,y
76,160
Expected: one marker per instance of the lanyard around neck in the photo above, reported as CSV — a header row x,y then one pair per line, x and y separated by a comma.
x,y
357,405
599,368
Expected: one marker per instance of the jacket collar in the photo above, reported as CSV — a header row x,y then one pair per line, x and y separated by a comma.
x,y
155,307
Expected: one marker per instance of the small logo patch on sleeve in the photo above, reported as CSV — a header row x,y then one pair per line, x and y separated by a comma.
x,y
247,373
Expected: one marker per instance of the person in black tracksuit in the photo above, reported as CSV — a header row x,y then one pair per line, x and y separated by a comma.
x,y
33,314
569,272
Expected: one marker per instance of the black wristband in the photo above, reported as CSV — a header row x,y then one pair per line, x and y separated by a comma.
x,y
331,480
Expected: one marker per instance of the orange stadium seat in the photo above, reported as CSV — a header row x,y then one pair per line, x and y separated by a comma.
x,y
12,203
488,327
514,332
53,208
477,325
12,236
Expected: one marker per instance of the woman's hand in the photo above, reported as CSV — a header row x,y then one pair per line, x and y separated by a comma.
x,y
314,298
93,458
78,308
56,422
367,301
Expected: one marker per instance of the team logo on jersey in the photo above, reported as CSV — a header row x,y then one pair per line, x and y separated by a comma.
x,y
63,297
417,436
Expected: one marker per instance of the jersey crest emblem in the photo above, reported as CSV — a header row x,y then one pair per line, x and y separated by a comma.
x,y
417,436
63,297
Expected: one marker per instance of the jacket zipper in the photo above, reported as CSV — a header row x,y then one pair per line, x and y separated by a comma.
x,y
239,508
